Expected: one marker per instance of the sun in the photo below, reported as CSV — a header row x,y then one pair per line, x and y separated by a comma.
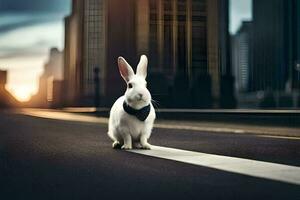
x,y
21,93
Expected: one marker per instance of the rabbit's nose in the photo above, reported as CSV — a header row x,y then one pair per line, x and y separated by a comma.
x,y
140,95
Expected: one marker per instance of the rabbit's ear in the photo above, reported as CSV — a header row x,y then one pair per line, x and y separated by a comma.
x,y
125,69
141,69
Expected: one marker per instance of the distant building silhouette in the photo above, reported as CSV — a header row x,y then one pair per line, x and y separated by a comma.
x,y
6,99
3,78
242,57
50,82
186,42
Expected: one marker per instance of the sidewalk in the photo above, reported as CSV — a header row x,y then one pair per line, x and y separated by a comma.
x,y
227,127
222,124
286,117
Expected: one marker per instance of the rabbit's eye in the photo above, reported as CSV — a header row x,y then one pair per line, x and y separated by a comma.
x,y
129,85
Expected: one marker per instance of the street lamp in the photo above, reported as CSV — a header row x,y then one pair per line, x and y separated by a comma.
x,y
97,87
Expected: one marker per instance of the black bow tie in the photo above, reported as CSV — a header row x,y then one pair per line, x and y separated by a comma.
x,y
141,114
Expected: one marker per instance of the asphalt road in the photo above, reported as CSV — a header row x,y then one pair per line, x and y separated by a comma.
x,y
55,159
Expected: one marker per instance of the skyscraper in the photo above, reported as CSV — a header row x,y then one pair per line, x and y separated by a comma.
x,y
186,38
73,54
275,36
182,39
295,72
97,32
242,56
93,47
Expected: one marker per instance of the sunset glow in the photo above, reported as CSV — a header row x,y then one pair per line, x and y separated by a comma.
x,y
24,59
22,93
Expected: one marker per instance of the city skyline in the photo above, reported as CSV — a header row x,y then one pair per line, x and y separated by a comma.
x,y
28,29
24,59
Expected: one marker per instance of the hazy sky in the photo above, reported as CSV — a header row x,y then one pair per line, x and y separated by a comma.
x,y
240,10
28,28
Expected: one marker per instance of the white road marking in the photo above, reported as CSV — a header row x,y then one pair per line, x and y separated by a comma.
x,y
254,168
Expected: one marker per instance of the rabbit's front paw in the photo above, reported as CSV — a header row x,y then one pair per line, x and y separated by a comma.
x,y
126,147
146,146
116,145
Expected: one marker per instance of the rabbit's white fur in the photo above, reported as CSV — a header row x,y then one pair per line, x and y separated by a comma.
x,y
126,130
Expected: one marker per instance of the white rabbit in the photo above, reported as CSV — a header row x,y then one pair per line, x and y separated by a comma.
x,y
132,115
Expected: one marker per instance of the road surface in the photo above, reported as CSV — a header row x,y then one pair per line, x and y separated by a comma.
x,y
44,158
